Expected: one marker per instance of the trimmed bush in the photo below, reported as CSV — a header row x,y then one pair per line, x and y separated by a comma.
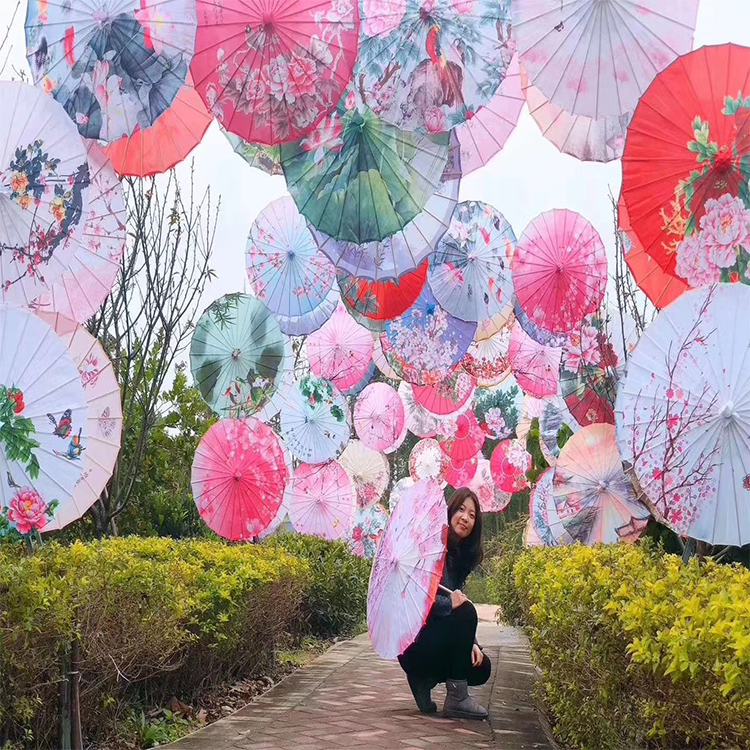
x,y
500,559
637,648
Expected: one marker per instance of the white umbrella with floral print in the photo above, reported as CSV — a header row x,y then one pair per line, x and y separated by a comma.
x,y
369,472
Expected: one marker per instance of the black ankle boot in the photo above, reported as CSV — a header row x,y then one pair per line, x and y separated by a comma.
x,y
420,689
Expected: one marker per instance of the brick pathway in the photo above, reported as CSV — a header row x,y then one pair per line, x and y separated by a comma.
x,y
350,698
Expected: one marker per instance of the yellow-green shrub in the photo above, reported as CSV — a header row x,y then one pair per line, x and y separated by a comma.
x,y
637,648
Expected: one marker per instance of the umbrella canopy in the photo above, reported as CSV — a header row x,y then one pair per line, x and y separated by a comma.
x,y
322,501
103,419
286,270
685,174
462,471
44,426
535,366
379,416
265,158
543,512
427,461
270,71
462,437
530,536
470,268
683,420
499,408
407,569
237,355
559,270
367,531
430,66
399,438
280,522
451,395
594,499
314,420
397,492
419,421
368,470
487,358
239,476
552,414
540,335
380,359
114,65
93,268
596,59
509,463
492,499
358,387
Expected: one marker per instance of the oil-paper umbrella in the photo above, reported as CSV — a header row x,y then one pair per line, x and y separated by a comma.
x,y
540,335
470,268
596,59
559,270
286,270
462,437
492,498
103,418
44,187
366,379
322,501
44,417
239,476
407,569
265,158
397,492
418,420
379,416
552,416
450,396
270,71
237,355
685,173
428,461
530,536
314,420
487,358
543,512
535,366
594,499
368,470
509,463
367,531
462,471
114,66
499,408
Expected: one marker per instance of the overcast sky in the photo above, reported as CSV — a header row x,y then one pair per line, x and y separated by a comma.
x,y
527,177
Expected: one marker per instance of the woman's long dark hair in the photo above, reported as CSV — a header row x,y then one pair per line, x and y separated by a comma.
x,y
464,555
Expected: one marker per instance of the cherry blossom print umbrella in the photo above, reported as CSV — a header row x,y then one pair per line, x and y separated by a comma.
x,y
685,174
596,59
559,270
594,499
426,342
535,366
499,408
265,158
682,415
399,438
380,359
114,65
487,358
239,476
379,416
44,186
286,270
270,71
509,463
367,531
237,355
314,420
470,268
103,418
93,268
428,461
368,470
397,492
450,396
540,335
462,471
428,65
367,378
322,501
421,422
407,569
492,499
462,437
44,427
340,350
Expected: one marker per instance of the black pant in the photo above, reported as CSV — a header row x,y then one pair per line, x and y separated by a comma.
x,y
442,650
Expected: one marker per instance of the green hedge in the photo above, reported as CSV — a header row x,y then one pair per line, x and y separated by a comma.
x,y
638,649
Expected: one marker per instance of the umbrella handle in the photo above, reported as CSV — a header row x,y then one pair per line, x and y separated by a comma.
x,y
443,588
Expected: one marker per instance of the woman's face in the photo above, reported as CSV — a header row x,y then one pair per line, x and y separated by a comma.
x,y
463,519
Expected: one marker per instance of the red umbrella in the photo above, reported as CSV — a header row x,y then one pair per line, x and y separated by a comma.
x,y
450,395
465,440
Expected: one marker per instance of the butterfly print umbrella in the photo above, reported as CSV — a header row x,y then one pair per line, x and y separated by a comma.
x,y
368,470
379,416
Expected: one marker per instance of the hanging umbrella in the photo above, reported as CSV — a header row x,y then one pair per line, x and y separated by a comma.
x,y
594,499
265,158
314,420
540,335
93,268
559,270
552,415
368,470
367,530
322,501
470,268
103,419
44,188
682,415
113,66
237,355
280,522
451,395
407,569
418,420
239,476
535,366
286,270
499,408
340,350
492,499
685,174
379,416
463,439
44,426
509,463
428,461
399,438
462,471
397,492
530,536
430,66
543,512
426,342
487,358
596,59
356,389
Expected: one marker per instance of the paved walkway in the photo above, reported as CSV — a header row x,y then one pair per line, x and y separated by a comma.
x,y
350,698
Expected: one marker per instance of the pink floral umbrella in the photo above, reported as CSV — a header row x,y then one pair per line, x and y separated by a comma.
x,y
462,471
421,422
492,499
559,270
407,569
465,438
239,476
270,71
509,463
322,501
451,395
428,461
340,350
487,358
397,492
379,416
400,437
368,470
380,360
535,366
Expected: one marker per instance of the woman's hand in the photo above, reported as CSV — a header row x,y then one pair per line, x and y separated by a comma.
x,y
476,656
458,598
